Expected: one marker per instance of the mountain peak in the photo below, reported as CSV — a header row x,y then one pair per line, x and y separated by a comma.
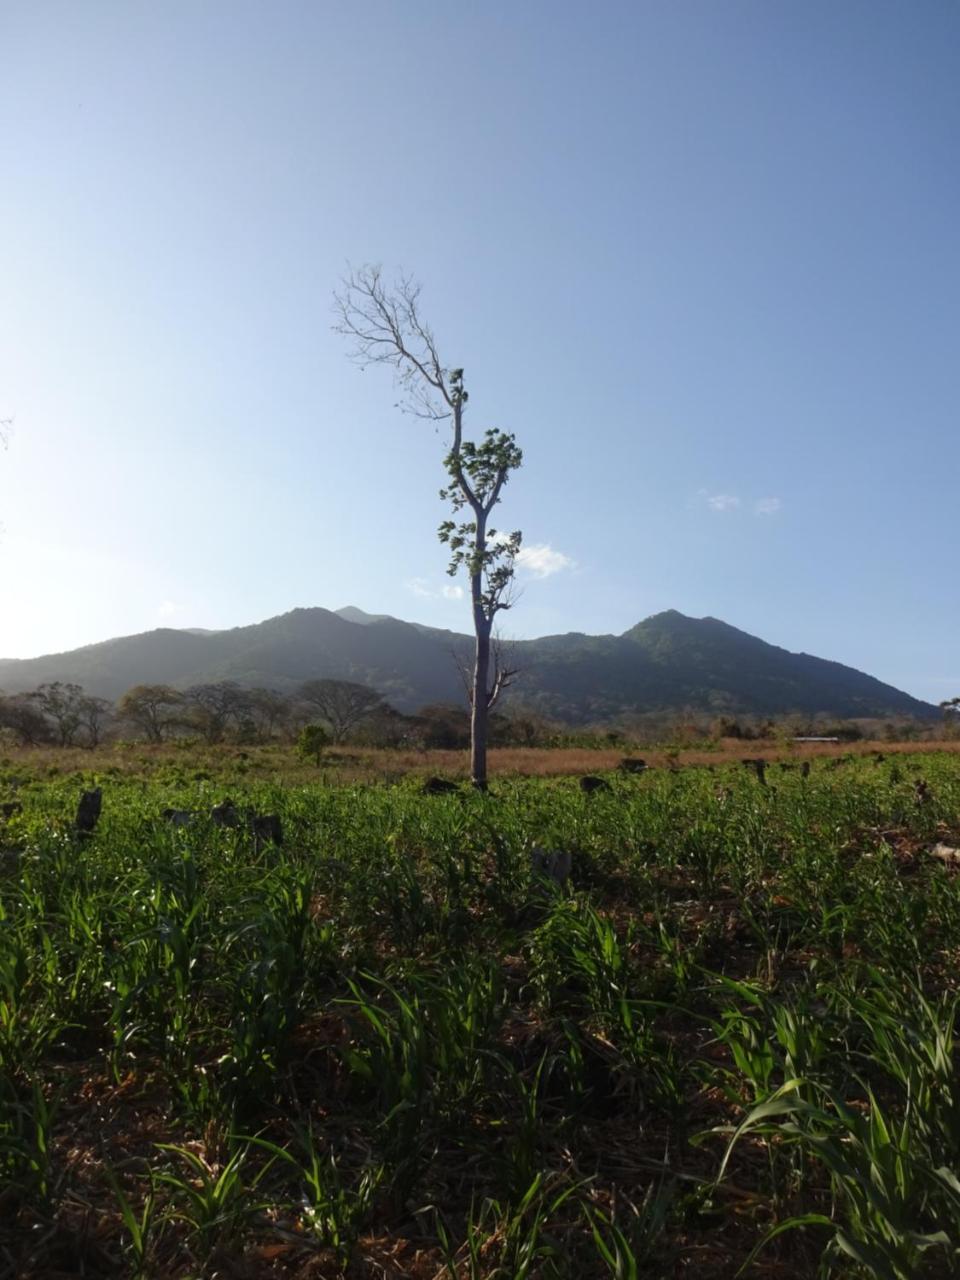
x,y
668,616
674,618
350,613
666,620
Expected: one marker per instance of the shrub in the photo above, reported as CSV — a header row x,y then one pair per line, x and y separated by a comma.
x,y
312,741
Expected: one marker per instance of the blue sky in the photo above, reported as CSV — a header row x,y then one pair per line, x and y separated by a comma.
x,y
702,258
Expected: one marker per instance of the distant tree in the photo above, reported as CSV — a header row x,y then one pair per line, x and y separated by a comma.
x,y
153,708
62,704
20,714
213,708
384,727
523,726
727,727
442,727
312,742
95,715
268,711
384,326
341,703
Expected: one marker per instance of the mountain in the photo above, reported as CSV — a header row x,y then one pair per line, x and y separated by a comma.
x,y
667,662
395,657
670,661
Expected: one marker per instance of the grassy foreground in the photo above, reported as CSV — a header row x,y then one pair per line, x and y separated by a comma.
x,y
385,1049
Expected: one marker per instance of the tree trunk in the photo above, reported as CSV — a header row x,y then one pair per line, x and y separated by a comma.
x,y
479,710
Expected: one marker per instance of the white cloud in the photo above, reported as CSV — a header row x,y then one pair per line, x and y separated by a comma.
x,y
542,560
167,608
539,560
421,587
722,501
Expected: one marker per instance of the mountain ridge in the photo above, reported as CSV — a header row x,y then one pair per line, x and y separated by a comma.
x,y
668,661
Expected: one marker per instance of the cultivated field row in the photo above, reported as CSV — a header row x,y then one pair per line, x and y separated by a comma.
x,y
375,1043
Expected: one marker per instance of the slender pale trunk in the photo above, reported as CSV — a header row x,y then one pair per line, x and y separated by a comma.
x,y
480,710
479,688
480,695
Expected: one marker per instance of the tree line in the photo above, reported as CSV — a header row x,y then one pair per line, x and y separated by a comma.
x,y
63,714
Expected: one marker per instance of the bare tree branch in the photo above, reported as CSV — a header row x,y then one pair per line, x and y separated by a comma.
x,y
503,675
385,328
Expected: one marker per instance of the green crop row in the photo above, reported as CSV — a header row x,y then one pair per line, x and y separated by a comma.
x,y
387,1046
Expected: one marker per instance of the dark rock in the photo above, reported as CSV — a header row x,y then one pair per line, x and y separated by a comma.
x,y
179,817
590,785
632,764
439,787
225,815
266,829
88,811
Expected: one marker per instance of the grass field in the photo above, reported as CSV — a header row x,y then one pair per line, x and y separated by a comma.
x,y
726,1045
184,761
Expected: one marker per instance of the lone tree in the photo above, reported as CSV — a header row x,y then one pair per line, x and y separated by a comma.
x,y
64,705
341,703
95,715
153,708
267,711
384,326
213,706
